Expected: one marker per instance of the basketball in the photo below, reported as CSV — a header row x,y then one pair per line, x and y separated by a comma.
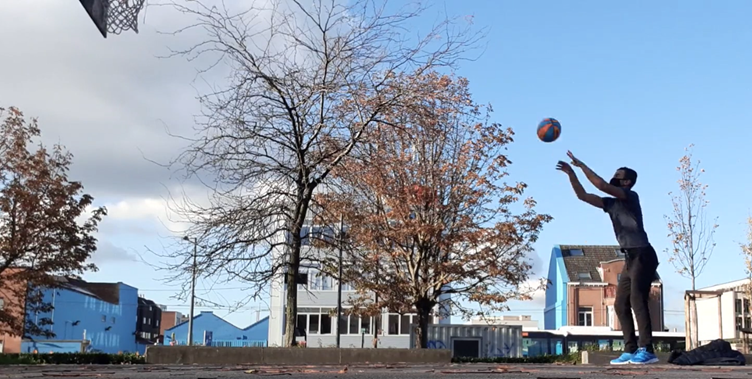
x,y
549,130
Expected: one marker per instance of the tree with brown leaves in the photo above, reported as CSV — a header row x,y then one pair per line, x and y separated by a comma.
x,y
429,211
690,230
44,227
306,84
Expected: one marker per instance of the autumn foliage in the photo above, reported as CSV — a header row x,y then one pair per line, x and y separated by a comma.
x,y
429,210
44,226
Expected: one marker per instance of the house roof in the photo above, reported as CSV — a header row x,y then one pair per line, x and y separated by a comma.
x,y
589,260
107,292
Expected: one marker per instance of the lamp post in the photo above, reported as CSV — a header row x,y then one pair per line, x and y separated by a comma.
x,y
193,290
339,281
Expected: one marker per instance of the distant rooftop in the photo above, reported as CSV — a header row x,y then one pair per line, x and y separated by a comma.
x,y
582,261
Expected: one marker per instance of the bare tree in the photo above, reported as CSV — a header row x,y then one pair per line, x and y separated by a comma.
x,y
747,254
308,81
689,229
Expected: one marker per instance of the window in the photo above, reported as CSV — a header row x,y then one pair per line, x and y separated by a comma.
x,y
144,321
618,277
2,304
619,253
584,275
576,252
104,318
585,316
314,321
157,322
738,306
400,325
353,325
113,320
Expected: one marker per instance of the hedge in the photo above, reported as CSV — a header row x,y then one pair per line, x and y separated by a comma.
x,y
540,359
71,358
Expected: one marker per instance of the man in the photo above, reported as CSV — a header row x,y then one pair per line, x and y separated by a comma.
x,y
641,261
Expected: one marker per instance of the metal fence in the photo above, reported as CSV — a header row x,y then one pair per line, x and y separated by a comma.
x,y
229,343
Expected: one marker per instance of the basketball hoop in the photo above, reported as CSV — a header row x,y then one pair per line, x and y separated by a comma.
x,y
122,15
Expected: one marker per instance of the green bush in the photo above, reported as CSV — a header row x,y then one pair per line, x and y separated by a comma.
x,y
540,359
71,359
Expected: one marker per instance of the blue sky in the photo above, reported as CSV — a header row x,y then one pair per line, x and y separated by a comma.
x,y
632,82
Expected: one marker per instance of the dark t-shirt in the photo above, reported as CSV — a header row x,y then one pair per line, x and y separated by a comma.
x,y
626,215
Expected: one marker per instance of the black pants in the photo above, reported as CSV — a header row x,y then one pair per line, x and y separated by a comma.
x,y
633,293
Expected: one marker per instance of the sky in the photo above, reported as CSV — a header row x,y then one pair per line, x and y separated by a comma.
x,y
632,82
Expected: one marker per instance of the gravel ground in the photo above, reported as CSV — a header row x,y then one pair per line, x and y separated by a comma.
x,y
373,372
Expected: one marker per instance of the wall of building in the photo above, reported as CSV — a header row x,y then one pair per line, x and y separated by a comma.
x,y
169,320
221,330
94,316
46,347
14,305
555,312
707,317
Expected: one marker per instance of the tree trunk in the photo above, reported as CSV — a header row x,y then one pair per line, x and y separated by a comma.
x,y
695,336
424,308
293,264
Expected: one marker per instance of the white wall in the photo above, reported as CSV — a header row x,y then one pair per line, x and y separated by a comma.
x,y
707,317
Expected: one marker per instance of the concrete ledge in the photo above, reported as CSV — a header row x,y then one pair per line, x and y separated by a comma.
x,y
202,355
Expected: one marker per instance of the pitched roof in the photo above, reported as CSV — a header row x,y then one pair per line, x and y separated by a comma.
x,y
587,259
107,292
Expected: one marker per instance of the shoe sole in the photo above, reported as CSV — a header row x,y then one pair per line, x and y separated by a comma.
x,y
620,363
654,360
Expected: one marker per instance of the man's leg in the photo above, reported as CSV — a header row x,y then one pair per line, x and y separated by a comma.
x,y
623,309
642,269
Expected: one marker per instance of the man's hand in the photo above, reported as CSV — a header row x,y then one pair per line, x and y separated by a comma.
x,y
564,167
575,162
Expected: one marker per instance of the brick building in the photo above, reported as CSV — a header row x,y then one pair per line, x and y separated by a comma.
x,y
583,286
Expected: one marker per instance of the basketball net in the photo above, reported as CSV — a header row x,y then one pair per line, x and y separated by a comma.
x,y
122,15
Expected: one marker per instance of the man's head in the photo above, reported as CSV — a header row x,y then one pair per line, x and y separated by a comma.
x,y
624,177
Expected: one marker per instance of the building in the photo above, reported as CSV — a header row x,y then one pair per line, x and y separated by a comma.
x,y
317,305
723,310
169,319
525,321
210,329
12,304
149,316
583,286
102,314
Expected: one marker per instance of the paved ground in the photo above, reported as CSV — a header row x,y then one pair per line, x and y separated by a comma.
x,y
372,372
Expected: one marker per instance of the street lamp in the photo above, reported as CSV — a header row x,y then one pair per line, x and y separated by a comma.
x,y
193,290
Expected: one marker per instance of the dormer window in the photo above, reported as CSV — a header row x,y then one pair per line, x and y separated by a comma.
x,y
576,252
584,276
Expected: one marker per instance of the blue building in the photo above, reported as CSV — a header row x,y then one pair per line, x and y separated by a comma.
x,y
102,313
555,313
221,331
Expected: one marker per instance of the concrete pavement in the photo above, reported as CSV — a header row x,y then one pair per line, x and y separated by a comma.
x,y
479,371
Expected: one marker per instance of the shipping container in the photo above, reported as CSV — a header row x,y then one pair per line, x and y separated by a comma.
x,y
481,341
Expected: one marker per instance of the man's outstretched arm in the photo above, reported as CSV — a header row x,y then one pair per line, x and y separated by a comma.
x,y
589,198
597,181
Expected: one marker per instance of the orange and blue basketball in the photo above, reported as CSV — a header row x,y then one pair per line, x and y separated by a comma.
x,y
549,130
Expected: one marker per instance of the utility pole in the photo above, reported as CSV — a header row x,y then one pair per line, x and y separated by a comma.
x,y
339,279
193,290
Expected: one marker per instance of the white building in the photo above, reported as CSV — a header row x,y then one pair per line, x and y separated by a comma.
x,y
317,306
733,313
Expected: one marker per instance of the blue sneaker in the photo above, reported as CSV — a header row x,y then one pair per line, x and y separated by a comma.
x,y
643,357
623,359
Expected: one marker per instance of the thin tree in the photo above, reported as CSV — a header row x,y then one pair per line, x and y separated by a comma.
x,y
747,254
690,230
430,214
45,231
306,84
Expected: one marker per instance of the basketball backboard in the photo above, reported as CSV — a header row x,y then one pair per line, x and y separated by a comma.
x,y
97,10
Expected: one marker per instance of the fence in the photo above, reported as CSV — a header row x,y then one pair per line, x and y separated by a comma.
x,y
228,343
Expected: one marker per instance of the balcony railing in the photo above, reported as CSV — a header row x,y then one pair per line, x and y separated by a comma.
x,y
229,343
